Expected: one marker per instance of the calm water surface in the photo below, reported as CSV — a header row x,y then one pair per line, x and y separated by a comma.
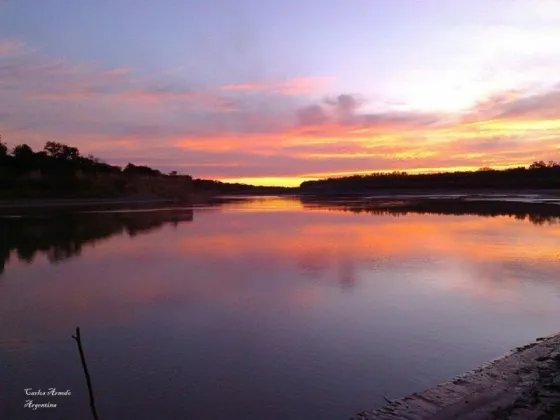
x,y
262,308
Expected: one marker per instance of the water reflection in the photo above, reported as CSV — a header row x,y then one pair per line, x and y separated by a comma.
x,y
63,236
536,213
269,308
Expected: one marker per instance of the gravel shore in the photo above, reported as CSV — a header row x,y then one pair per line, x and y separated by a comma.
x,y
522,385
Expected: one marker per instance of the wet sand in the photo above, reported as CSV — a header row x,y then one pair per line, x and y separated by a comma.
x,y
523,384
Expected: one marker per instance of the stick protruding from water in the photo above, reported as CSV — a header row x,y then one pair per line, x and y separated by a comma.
x,y
78,339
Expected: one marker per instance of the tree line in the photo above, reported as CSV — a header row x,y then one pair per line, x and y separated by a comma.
x,y
59,158
61,170
539,175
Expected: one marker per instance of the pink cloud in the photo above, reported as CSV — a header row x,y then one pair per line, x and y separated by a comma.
x,y
118,72
12,47
64,95
151,95
296,86
33,77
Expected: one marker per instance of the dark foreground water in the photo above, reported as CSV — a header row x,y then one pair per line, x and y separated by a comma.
x,y
263,308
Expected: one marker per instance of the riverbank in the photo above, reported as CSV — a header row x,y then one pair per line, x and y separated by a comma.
x,y
523,384
56,203
63,202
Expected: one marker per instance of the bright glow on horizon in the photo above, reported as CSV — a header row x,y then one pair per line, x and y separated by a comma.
x,y
269,181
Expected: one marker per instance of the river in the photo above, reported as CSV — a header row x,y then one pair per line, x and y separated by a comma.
x,y
263,307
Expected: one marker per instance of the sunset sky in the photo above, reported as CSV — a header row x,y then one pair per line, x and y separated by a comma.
x,y
277,92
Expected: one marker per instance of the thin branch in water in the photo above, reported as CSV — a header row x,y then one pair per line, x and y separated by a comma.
x,y
78,339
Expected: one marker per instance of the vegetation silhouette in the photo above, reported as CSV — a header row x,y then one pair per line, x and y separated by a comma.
x,y
539,175
536,213
60,170
63,235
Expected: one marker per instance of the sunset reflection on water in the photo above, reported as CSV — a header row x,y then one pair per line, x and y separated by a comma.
x,y
268,306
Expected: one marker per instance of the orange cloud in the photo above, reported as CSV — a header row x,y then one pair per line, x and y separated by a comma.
x,y
296,86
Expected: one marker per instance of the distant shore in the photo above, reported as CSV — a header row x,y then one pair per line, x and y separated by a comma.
x,y
523,384
434,192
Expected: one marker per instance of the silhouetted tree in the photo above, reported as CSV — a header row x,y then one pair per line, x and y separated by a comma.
x,y
61,151
22,152
141,170
3,148
53,149
538,165
94,160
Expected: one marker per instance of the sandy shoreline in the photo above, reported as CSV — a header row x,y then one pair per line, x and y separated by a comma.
x,y
523,384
